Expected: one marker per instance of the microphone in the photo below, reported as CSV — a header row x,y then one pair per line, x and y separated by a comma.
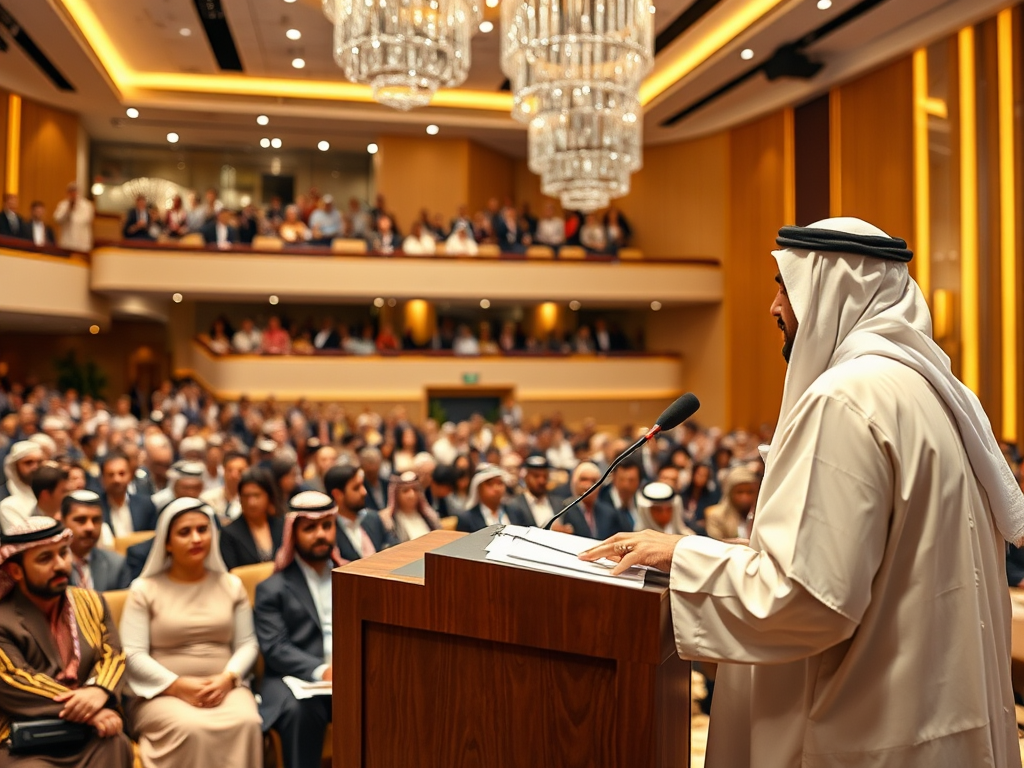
x,y
682,409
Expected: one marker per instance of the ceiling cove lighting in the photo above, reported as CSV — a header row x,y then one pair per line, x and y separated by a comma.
x,y
262,120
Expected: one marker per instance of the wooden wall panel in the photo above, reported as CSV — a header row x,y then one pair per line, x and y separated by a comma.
x,y
761,197
4,96
49,154
526,187
427,173
875,134
490,175
678,202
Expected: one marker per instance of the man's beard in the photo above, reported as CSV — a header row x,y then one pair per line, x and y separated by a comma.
x,y
48,590
787,341
311,555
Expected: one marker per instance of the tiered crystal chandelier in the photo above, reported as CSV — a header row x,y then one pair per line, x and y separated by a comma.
x,y
575,67
404,49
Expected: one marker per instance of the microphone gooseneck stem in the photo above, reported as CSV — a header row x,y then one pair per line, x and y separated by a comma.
x,y
622,457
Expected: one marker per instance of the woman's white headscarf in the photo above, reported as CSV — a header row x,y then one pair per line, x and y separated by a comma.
x,y
849,306
158,560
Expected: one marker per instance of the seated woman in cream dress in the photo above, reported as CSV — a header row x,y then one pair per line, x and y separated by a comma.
x,y
188,634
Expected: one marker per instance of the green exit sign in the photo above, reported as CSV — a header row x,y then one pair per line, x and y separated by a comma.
x,y
470,379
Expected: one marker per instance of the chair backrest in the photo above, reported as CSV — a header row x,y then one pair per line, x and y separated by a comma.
x,y
488,250
121,543
267,243
441,249
192,239
631,254
540,252
115,602
449,523
572,252
251,575
348,245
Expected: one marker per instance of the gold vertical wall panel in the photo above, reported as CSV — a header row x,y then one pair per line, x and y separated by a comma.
x,y
1007,225
922,263
969,289
13,175
49,154
835,140
413,173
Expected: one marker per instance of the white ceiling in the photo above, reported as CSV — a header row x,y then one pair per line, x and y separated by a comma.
x,y
147,35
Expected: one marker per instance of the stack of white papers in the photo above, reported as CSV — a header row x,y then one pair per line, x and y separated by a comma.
x,y
555,552
303,689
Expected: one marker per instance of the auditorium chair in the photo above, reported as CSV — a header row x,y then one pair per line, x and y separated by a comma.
x,y
441,249
267,243
540,252
572,252
631,254
449,523
192,240
348,245
115,602
488,251
121,543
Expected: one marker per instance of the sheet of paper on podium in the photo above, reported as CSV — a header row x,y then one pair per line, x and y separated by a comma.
x,y
304,689
555,552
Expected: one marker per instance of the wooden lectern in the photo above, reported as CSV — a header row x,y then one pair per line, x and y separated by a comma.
x,y
443,659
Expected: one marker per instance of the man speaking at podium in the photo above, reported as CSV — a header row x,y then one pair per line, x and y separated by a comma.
x,y
868,621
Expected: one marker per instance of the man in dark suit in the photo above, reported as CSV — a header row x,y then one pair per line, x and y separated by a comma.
x,y
533,503
138,221
91,568
36,229
327,337
11,224
376,489
220,231
360,531
622,494
123,512
486,492
292,614
442,485
591,517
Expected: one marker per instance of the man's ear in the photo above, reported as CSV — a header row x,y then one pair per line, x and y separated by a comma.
x,y
15,571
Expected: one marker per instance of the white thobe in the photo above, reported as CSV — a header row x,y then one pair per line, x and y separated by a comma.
x,y
75,224
870,612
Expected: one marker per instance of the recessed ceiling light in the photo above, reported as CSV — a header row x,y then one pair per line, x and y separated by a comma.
x,y
262,120
747,54
289,1
94,329
298,63
432,130
486,26
371,148
323,146
485,303
392,302
173,137
275,143
274,299
824,5
492,3
655,305
378,302
185,32
265,142
293,34
574,305
132,112
176,298
97,189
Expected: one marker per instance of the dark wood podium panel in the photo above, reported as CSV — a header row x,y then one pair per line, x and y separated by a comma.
x,y
447,702
444,659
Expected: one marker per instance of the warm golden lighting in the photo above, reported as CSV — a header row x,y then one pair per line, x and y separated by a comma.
x,y
835,154
788,167
13,143
922,194
546,318
1007,223
942,314
970,369
667,72
419,320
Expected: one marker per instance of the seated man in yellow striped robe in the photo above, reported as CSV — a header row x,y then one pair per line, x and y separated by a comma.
x,y
60,656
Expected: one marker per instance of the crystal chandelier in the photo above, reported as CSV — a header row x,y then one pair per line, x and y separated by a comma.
x,y
404,49
575,68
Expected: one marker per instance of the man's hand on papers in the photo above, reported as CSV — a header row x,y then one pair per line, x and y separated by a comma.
x,y
642,548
